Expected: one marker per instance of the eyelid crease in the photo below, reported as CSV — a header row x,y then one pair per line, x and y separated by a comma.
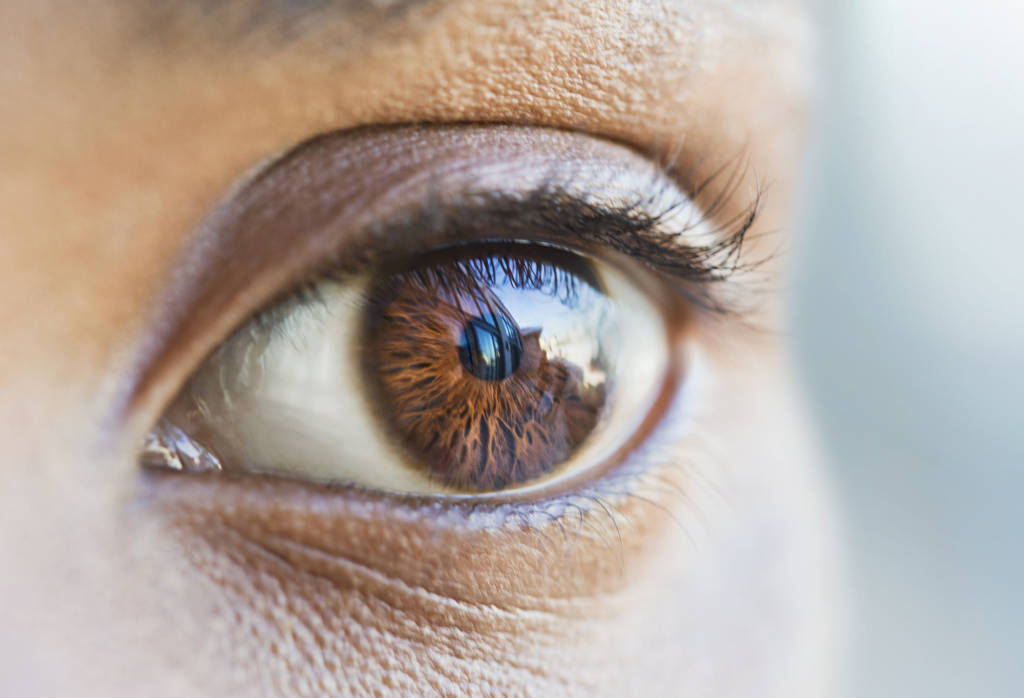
x,y
664,231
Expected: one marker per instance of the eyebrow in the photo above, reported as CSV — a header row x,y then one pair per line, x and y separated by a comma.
x,y
278,22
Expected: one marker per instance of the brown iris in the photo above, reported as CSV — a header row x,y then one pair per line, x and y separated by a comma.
x,y
490,363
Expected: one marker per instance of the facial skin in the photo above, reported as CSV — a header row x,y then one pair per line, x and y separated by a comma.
x,y
124,125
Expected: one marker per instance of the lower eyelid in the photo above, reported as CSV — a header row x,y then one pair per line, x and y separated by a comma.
x,y
518,569
291,508
571,548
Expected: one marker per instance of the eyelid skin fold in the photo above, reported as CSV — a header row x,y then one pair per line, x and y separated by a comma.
x,y
343,200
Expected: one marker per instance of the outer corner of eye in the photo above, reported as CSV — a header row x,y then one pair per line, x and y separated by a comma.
x,y
501,367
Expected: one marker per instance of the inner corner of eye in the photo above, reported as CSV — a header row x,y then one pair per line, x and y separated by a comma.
x,y
477,369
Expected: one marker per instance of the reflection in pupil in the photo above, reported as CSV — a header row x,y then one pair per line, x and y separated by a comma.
x,y
490,346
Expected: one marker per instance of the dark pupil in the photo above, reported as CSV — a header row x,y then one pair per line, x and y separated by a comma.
x,y
490,346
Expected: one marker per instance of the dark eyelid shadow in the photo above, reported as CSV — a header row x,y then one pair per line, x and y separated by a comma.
x,y
347,199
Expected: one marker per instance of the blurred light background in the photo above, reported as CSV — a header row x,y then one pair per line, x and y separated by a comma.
x,y
909,319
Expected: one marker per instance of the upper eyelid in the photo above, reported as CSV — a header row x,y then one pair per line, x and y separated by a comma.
x,y
309,206
695,250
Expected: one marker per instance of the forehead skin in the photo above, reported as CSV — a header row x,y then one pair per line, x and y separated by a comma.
x,y
123,124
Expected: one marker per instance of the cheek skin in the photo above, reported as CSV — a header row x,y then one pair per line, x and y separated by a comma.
x,y
711,579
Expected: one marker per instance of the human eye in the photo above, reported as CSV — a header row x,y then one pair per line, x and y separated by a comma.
x,y
450,312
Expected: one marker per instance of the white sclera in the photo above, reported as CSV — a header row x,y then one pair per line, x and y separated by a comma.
x,y
284,394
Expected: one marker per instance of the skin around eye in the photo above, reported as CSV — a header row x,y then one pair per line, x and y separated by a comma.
x,y
119,284
476,369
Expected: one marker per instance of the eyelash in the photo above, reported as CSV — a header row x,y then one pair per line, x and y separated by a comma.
x,y
638,229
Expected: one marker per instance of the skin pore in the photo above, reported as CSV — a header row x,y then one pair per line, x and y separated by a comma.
x,y
125,124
